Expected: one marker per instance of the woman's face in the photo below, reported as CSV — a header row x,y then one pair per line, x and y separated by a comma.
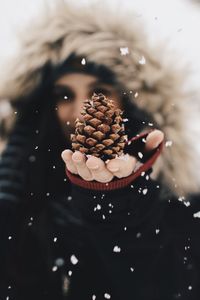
x,y
69,93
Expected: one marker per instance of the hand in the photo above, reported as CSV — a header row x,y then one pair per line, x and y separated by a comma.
x,y
96,169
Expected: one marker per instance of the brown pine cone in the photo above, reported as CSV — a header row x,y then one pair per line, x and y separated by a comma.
x,y
102,132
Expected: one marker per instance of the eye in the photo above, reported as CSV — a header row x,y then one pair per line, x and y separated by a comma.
x,y
62,94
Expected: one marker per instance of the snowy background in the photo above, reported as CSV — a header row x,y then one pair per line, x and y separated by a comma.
x,y
176,21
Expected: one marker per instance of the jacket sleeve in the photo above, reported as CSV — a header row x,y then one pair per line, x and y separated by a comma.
x,y
108,205
12,182
100,201
110,221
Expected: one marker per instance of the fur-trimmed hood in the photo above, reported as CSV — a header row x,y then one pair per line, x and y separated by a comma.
x,y
106,36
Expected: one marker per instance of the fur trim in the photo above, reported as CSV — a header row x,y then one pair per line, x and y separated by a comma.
x,y
66,29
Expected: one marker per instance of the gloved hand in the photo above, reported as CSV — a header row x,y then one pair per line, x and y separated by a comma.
x,y
93,168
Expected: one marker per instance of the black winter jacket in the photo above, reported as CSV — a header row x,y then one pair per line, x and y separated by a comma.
x,y
138,242
122,244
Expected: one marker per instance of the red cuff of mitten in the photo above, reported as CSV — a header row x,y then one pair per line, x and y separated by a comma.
x,y
117,183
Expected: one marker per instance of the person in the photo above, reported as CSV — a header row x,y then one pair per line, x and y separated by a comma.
x,y
72,225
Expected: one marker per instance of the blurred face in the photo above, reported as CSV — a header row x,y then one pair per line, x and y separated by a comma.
x,y
69,93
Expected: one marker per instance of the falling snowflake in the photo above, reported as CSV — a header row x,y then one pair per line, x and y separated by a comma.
x,y
140,154
181,198
144,140
103,217
93,297
55,268
69,198
142,61
73,259
124,51
125,120
68,123
177,295
47,194
138,235
36,147
150,124
55,239
186,203
168,143
83,61
65,97
117,249
145,191
136,95
196,215
190,287
59,262
143,173
132,269
157,231
125,228
10,237
107,296
32,158
187,247
70,273
98,206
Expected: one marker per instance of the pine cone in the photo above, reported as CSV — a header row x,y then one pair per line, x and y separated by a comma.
x,y
102,132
